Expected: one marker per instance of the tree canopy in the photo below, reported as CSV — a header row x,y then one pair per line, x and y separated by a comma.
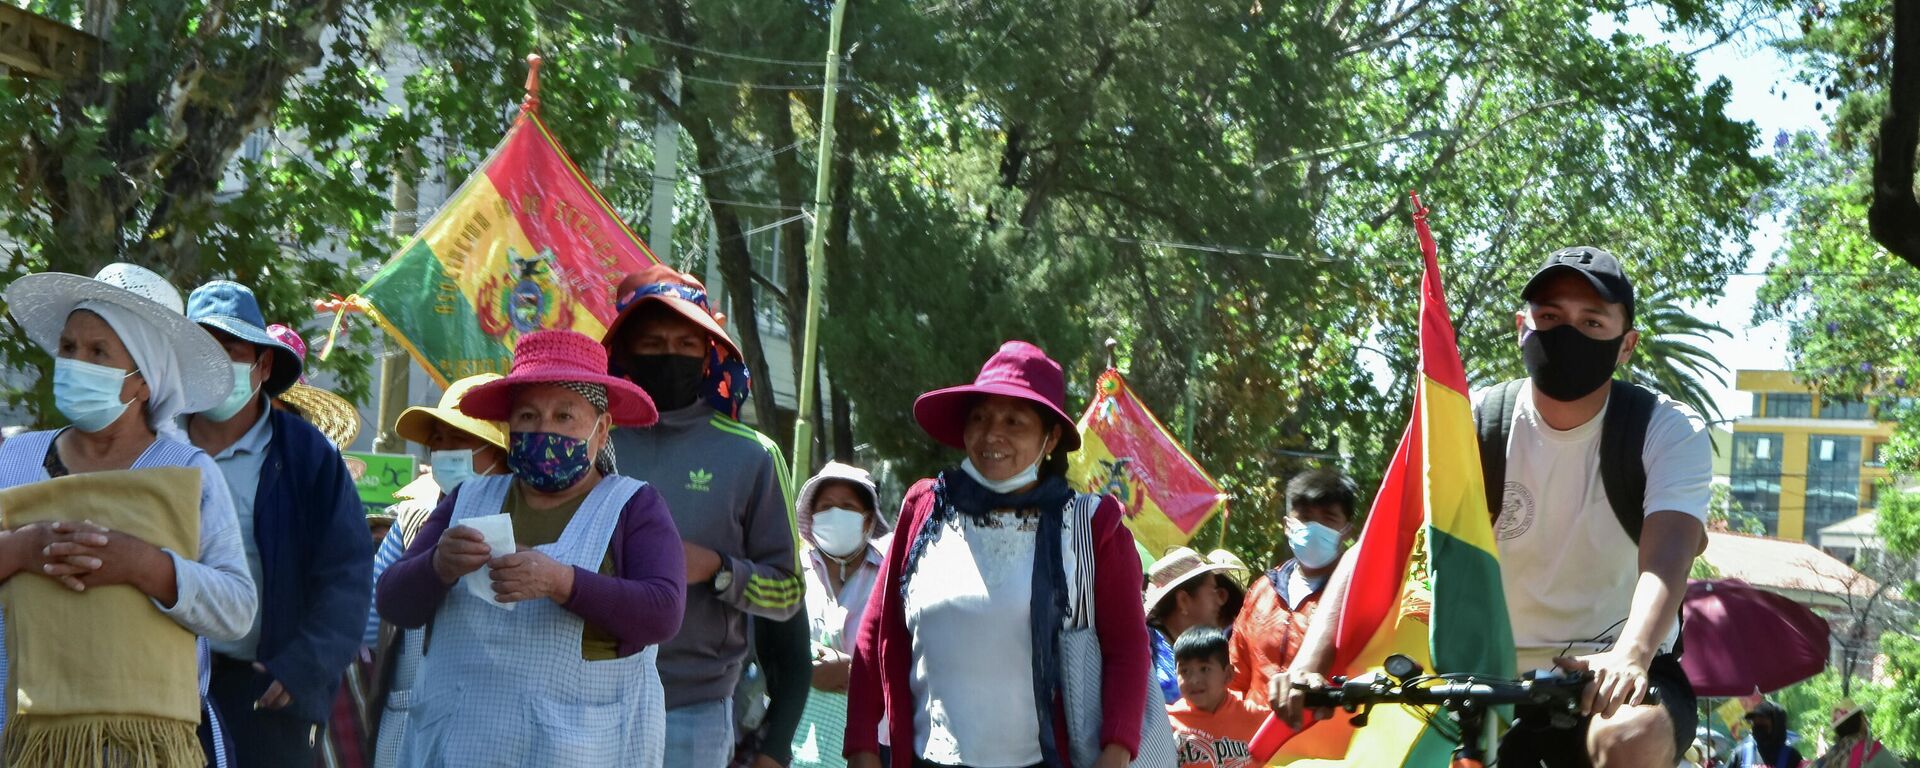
x,y
1221,187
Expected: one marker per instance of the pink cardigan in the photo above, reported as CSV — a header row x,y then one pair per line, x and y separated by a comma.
x,y
883,658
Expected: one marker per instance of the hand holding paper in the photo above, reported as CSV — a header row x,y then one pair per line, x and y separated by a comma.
x,y
497,530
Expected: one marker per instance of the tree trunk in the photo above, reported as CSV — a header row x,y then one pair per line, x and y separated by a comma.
x,y
842,427
1894,217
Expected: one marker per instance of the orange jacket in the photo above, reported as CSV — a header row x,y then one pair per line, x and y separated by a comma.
x,y
1267,633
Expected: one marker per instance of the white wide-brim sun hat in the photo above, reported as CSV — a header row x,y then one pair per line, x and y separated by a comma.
x,y
41,303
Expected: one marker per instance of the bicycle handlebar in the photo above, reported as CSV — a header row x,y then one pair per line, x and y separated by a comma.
x,y
1451,691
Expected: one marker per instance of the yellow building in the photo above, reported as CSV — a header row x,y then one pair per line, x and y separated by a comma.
x,y
1805,460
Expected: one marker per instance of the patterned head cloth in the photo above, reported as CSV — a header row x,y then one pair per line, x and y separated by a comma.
x,y
596,396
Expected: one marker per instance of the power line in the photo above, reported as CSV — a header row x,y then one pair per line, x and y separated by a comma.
x,y
748,159
739,83
727,54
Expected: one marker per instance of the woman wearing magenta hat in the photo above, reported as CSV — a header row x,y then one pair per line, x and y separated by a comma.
x,y
958,647
555,665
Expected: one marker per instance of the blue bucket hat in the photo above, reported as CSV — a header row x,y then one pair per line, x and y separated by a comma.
x,y
229,307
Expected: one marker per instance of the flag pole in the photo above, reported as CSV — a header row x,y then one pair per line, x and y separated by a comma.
x,y
816,261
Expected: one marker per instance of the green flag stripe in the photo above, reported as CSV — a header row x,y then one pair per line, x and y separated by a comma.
x,y
421,305
1470,630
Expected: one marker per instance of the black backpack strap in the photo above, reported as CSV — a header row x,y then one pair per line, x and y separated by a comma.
x,y
1493,421
1623,444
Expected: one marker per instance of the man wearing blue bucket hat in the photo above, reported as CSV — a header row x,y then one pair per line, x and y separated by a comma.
x,y
305,538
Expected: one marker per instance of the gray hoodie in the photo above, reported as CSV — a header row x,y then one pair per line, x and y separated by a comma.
x,y
726,486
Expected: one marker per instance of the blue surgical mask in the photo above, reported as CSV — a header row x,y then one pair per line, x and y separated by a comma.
x,y
1022,479
88,394
237,398
1314,545
451,468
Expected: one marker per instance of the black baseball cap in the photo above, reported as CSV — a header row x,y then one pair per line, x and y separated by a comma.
x,y
1600,268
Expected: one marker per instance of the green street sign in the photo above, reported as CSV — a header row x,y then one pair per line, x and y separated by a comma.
x,y
386,473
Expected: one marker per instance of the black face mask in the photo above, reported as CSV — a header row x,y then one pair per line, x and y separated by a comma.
x,y
673,381
1566,364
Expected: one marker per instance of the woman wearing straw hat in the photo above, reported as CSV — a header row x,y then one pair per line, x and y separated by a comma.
x,y
127,364
463,448
1854,746
1183,590
957,648
566,677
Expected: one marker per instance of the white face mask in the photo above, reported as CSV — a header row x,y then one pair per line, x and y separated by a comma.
x,y
451,468
839,532
1314,545
1021,479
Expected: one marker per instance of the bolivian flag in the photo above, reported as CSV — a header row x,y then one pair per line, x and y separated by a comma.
x,y
1426,579
1126,452
526,244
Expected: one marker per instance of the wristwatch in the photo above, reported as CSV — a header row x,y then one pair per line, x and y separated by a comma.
x,y
723,579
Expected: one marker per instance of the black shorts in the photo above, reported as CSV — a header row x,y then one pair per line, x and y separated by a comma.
x,y
1535,742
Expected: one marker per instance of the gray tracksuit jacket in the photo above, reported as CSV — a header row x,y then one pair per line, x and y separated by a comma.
x,y
726,485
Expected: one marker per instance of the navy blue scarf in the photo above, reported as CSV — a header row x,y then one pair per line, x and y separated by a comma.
x,y
956,493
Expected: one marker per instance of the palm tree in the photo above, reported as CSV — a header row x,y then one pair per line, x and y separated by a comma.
x,y
1671,357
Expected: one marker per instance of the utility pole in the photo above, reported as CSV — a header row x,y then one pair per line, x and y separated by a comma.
x,y
816,260
666,175
395,372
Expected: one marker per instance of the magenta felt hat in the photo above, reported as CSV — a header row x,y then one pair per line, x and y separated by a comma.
x,y
1018,370
553,357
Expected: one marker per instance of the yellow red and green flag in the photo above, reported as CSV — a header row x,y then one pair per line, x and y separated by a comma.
x,y
1426,575
526,244
1126,452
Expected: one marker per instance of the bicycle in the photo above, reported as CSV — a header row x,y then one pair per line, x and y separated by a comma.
x,y
1466,698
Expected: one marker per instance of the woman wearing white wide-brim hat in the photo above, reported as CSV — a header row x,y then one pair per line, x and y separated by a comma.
x,y
127,364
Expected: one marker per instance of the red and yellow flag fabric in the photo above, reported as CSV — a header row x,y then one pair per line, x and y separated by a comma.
x,y
1426,576
1126,452
525,244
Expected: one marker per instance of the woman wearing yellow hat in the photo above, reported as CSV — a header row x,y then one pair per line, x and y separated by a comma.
x,y
462,447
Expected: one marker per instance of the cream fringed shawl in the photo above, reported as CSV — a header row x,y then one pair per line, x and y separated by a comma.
x,y
102,677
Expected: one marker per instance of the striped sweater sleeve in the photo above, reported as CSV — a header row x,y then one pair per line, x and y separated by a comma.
x,y
767,582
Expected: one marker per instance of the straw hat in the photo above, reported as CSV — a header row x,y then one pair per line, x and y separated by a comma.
x,y
1179,566
679,292
1845,709
330,413
1019,370
556,357
416,423
41,302
1236,570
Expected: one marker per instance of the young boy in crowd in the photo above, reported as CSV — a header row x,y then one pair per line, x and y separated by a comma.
x,y
1211,723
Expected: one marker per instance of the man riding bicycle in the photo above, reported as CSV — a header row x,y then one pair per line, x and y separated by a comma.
x,y
1601,493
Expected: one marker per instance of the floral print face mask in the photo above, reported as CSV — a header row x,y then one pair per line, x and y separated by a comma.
x,y
550,462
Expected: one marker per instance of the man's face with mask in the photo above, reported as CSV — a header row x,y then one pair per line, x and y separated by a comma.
x,y
666,355
1571,338
1762,726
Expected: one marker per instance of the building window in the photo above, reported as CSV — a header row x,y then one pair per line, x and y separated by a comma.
x,y
1756,476
1759,404
1843,408
1781,405
1833,480
765,250
1877,456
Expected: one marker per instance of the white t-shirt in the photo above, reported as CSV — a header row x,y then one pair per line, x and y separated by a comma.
x,y
1568,569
